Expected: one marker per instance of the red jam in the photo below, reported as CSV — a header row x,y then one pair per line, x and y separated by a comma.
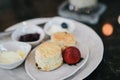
x,y
29,37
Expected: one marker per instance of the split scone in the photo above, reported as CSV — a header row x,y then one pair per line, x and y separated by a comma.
x,y
48,56
64,39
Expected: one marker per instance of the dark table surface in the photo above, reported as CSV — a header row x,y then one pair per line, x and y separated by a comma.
x,y
14,11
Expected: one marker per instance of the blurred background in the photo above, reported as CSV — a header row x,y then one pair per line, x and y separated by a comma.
x,y
14,11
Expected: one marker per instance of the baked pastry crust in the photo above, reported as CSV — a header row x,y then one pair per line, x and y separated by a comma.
x,y
48,56
64,39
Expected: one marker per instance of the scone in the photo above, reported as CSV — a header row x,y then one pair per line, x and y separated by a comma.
x,y
48,56
64,39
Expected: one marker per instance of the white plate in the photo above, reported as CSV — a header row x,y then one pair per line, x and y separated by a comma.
x,y
83,33
61,73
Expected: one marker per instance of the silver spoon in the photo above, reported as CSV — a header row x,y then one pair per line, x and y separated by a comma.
x,y
2,49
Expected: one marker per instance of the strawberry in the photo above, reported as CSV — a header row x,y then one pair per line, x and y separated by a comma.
x,y
71,55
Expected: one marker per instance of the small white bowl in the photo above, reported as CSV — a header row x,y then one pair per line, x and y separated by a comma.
x,y
58,21
28,29
14,46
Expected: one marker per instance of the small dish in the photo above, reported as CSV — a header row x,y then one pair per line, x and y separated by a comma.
x,y
28,29
14,46
55,25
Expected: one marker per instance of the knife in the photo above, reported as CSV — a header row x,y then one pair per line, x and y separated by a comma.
x,y
6,33
2,34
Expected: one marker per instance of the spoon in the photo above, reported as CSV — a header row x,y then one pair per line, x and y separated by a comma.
x,y
2,49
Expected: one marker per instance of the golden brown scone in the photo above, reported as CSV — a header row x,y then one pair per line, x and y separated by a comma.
x,y
64,39
48,56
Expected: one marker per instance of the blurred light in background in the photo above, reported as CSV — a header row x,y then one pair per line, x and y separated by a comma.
x,y
107,29
119,19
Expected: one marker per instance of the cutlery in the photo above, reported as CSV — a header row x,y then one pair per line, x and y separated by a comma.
x,y
6,33
2,34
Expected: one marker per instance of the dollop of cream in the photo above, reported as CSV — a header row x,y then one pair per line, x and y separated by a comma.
x,y
8,57
56,28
